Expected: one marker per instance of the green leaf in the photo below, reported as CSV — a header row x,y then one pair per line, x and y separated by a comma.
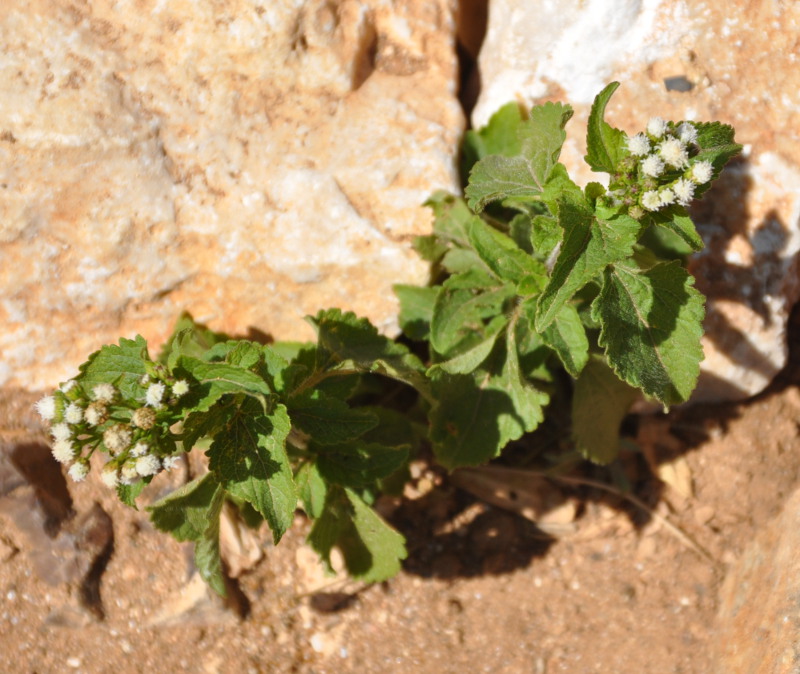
x,y
372,550
349,342
463,303
590,244
600,401
329,421
605,144
128,493
122,365
218,379
249,458
188,338
677,221
359,464
503,257
469,359
416,310
521,177
567,337
651,325
207,558
312,489
499,136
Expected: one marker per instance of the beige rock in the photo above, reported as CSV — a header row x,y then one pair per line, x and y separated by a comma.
x,y
739,60
757,623
248,162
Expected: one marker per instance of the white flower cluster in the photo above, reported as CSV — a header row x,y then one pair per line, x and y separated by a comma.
x,y
662,152
81,422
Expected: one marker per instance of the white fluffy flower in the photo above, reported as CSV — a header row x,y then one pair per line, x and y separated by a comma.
x,y
46,407
68,385
687,133
656,127
651,200
117,438
95,414
684,191
653,166
674,153
171,462
702,172
61,432
78,471
666,197
180,387
638,145
144,418
155,392
73,414
63,451
148,465
104,393
128,474
110,476
140,449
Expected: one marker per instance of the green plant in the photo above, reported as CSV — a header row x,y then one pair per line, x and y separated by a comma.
x,y
531,274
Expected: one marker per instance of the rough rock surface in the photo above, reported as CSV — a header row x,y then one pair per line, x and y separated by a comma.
x,y
250,162
734,62
758,621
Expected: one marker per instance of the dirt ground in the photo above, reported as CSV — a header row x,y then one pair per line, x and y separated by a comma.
x,y
621,588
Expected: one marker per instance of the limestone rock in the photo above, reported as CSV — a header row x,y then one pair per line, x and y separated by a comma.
x,y
757,625
250,162
734,62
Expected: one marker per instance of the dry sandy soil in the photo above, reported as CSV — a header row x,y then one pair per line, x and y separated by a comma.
x,y
92,587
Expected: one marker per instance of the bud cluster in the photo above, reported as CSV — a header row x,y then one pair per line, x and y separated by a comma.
x,y
135,433
662,169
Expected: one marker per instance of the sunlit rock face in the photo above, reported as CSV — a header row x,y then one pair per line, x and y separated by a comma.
x,y
250,162
734,62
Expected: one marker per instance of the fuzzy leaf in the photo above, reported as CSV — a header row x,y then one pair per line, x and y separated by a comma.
x,y
499,136
121,365
567,337
605,144
521,177
249,458
589,245
190,339
600,401
651,325
359,464
416,310
468,360
328,420
312,489
677,221
218,379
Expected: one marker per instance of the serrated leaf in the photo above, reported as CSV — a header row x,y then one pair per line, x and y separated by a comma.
x,y
451,218
589,245
677,221
346,341
521,177
717,145
416,310
329,421
122,365
249,458
184,513
605,145
215,380
567,337
600,401
503,257
128,493
463,303
499,136
468,360
651,325
359,464
188,338
311,489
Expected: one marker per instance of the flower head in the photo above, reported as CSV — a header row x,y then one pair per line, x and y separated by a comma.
x,y
687,133
104,393
684,191
110,475
702,172
170,462
653,166
46,407
638,145
73,414
128,474
180,387
148,465
63,451
656,127
673,152
95,414
78,471
651,201
155,392
144,417
117,438
61,432
140,449
666,196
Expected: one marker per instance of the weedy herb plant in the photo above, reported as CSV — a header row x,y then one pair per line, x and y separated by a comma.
x,y
532,275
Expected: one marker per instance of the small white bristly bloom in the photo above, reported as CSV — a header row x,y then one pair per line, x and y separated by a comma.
x,y
171,462
656,127
128,474
684,191
117,438
61,432
148,465
180,387
46,407
651,201
687,133
68,385
155,392
63,451
701,172
144,418
140,449
73,414
666,197
78,471
653,166
95,414
638,145
674,153
110,476
104,393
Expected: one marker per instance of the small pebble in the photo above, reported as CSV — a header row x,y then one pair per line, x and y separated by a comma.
x,y
73,662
